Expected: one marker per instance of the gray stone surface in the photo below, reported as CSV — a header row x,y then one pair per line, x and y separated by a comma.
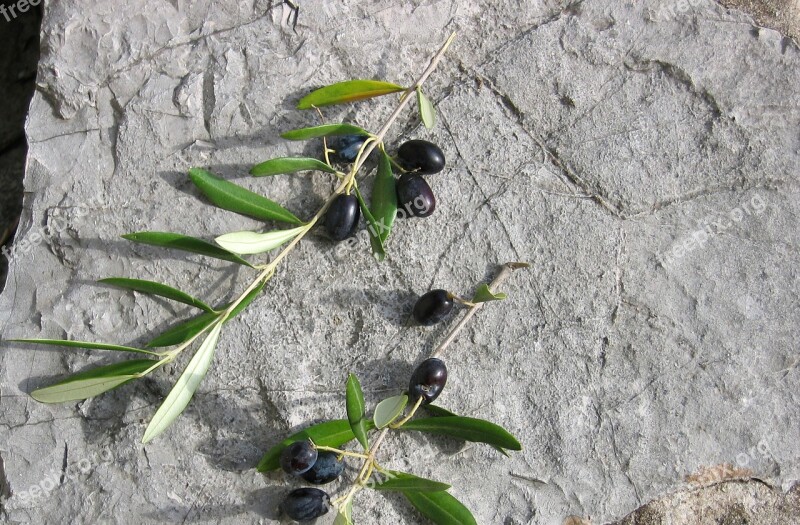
x,y
645,165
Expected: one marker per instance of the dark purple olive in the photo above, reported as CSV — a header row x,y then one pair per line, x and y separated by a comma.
x,y
327,468
433,307
298,457
421,157
347,146
305,504
414,196
342,217
427,381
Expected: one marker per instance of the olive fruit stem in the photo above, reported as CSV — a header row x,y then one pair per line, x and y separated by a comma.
x,y
341,453
410,414
505,272
461,300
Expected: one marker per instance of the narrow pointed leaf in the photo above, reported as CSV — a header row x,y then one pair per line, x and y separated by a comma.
x,y
184,388
324,130
388,410
441,508
427,113
374,239
328,434
231,197
185,243
289,165
347,91
438,411
384,198
83,344
92,382
356,409
154,288
248,243
401,481
183,331
484,294
467,429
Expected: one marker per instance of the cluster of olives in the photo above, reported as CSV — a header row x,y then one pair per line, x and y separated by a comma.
x,y
302,458
414,195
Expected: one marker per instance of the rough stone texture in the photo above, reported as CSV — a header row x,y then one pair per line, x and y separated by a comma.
x,y
645,165
783,15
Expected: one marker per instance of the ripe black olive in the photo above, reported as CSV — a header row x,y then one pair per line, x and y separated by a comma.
x,y
342,217
347,146
305,504
298,457
414,196
427,381
433,307
327,468
420,156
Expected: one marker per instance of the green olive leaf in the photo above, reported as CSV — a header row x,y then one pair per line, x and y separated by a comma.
x,y
467,429
441,508
154,288
484,294
180,395
94,381
427,113
248,243
83,344
374,240
388,410
324,130
185,243
402,481
184,331
231,197
438,411
345,514
289,165
328,434
347,91
356,409
384,198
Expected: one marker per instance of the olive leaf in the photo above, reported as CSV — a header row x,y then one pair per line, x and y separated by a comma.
x,y
185,243
231,197
345,514
247,242
184,388
441,507
467,429
289,165
347,91
438,411
427,113
83,344
333,433
184,331
154,288
388,410
384,198
94,381
402,481
374,228
484,294
356,409
324,130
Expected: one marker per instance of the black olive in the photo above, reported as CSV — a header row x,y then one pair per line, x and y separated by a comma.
x,y
433,307
420,156
327,468
427,381
342,217
414,196
305,504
